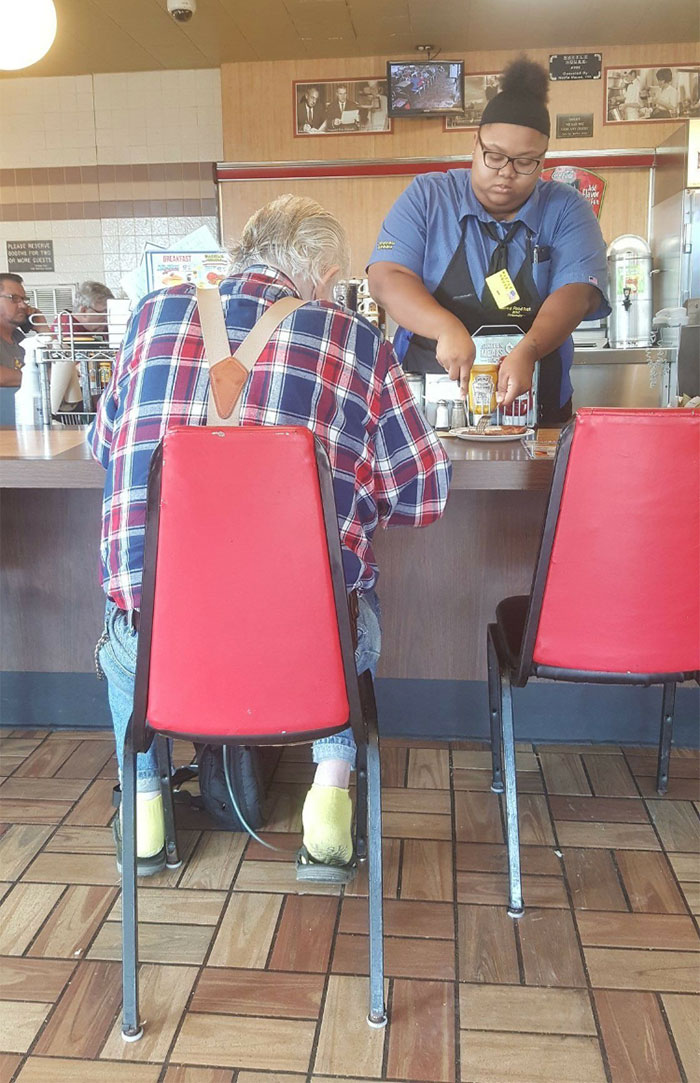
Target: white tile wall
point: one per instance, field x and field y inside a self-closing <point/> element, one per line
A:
<point x="158" y="116"/>
<point x="47" y="122"/>
<point x="135" y="117"/>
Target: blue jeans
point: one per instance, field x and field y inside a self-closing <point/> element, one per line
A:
<point x="116" y="655"/>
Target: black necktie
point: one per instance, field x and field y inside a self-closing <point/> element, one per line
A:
<point x="499" y="256"/>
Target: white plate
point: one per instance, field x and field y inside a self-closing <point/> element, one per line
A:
<point x="472" y="434"/>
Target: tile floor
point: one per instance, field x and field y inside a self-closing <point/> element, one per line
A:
<point x="244" y="980"/>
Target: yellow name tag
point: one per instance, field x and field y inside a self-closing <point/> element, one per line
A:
<point x="502" y="289"/>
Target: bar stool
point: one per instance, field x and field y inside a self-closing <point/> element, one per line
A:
<point x="615" y="596"/>
<point x="245" y="633"/>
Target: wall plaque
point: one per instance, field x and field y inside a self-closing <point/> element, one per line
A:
<point x="568" y="66"/>
<point x="29" y="256"/>
<point x="574" y="125"/>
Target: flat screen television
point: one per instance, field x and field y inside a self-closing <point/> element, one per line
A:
<point x="427" y="88"/>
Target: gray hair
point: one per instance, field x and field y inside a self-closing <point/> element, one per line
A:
<point x="88" y="294"/>
<point x="295" y="235"/>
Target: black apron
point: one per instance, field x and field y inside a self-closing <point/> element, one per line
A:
<point x="457" y="294"/>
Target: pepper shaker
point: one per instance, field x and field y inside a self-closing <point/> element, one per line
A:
<point x="459" y="414"/>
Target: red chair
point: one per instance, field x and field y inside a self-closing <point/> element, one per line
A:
<point x="615" y="597"/>
<point x="245" y="632"/>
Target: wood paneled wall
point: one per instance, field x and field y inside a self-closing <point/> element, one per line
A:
<point x="362" y="203"/>
<point x="258" y="124"/>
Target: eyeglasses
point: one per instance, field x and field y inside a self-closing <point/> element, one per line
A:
<point x="15" y="298"/>
<point x="493" y="159"/>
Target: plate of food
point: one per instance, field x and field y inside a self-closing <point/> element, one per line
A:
<point x="493" y="434"/>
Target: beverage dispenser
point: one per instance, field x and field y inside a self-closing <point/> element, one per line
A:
<point x="629" y="284"/>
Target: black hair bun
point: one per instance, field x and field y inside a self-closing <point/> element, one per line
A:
<point x="523" y="76"/>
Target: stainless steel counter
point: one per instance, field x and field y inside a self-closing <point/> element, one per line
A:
<point x="641" y="377"/>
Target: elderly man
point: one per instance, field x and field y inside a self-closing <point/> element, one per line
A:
<point x="326" y="368"/>
<point x="89" y="316"/>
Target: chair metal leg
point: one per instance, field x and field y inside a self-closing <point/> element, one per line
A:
<point x="377" y="1008"/>
<point x="668" y="705"/>
<point x="172" y="857"/>
<point x="496" y="720"/>
<point x="515" y="901"/>
<point x="361" y="803"/>
<point x="131" y="1026"/>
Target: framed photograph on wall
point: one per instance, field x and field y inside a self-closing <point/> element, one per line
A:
<point x="341" y="107"/>
<point x="478" y="90"/>
<point x="634" y="95"/>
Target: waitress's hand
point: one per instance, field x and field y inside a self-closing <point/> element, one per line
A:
<point x="515" y="374"/>
<point x="456" y="352"/>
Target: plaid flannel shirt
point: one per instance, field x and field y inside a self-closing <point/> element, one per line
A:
<point x="325" y="368"/>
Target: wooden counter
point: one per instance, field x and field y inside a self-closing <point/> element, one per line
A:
<point x="47" y="459"/>
<point x="438" y="588"/>
<point x="438" y="582"/>
<point x="60" y="459"/>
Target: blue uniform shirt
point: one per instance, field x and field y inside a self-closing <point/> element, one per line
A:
<point x="423" y="228"/>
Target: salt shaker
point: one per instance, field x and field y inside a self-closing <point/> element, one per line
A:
<point x="442" y="415"/>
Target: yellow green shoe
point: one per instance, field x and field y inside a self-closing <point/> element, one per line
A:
<point x="326" y="855"/>
<point x="150" y="832"/>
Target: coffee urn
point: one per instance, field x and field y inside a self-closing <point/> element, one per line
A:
<point x="629" y="285"/>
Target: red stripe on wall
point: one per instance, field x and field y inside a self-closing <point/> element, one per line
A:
<point x="410" y="167"/>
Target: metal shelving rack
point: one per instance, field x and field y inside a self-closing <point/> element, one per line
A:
<point x="94" y="365"/>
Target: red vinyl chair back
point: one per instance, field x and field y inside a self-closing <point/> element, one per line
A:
<point x="239" y="634"/>
<point x="622" y="590"/>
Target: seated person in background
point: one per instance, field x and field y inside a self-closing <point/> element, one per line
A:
<point x="325" y="368"/>
<point x="14" y="310"/>
<point x="17" y="319"/>
<point x="88" y="320"/>
<point x="86" y="327"/>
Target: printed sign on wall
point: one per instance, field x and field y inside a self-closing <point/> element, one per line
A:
<point x="574" y="125"/>
<point x="570" y="66"/>
<point x="29" y="256"/>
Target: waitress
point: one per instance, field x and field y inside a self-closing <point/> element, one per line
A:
<point x="455" y="246"/>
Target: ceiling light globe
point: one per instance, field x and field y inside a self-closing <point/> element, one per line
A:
<point x="27" y="31"/>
